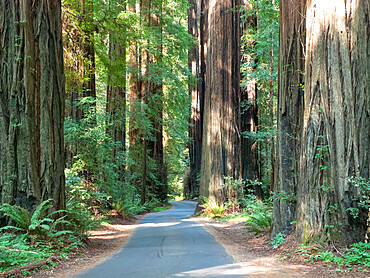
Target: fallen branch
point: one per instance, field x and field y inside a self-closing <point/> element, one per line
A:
<point x="17" y="271"/>
<point x="18" y="250"/>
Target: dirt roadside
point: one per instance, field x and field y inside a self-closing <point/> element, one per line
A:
<point x="257" y="258"/>
<point x="254" y="254"/>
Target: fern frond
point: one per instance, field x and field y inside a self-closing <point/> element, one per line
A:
<point x="40" y="209"/>
<point x="20" y="215"/>
<point x="11" y="227"/>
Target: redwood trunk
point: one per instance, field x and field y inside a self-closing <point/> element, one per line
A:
<point x="31" y="103"/>
<point x="195" y="128"/>
<point x="221" y="130"/>
<point x="89" y="50"/>
<point x="249" y="117"/>
<point x="289" y="113"/>
<point x="336" y="120"/>
<point x="116" y="89"/>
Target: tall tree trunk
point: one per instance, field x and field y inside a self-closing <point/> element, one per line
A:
<point x="144" y="132"/>
<point x="249" y="115"/>
<point x="155" y="91"/>
<point x="195" y="128"/>
<point x="134" y="95"/>
<point x="89" y="50"/>
<point x="221" y="130"/>
<point x="73" y="66"/>
<point x="116" y="89"/>
<point x="290" y="112"/>
<point x="335" y="140"/>
<point x="31" y="103"/>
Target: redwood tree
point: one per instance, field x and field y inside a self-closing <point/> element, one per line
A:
<point x="290" y="112"/>
<point x="31" y="103"/>
<point x="249" y="108"/>
<point x="336" y="122"/>
<point x="221" y="128"/>
<point x="195" y="128"/>
<point x="116" y="89"/>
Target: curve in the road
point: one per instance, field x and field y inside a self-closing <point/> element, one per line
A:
<point x="168" y="244"/>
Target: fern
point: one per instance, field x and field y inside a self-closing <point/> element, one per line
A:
<point x="40" y="211"/>
<point x="260" y="218"/>
<point x="20" y="215"/>
<point x="211" y="207"/>
<point x="36" y="223"/>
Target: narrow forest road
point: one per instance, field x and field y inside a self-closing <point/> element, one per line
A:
<point x="168" y="244"/>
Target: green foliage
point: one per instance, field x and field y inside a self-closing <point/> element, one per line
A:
<point x="158" y="209"/>
<point x="283" y="195"/>
<point x="260" y="217"/>
<point x="260" y="49"/>
<point x="363" y="199"/>
<point x="18" y="251"/>
<point x="357" y="255"/>
<point x="278" y="240"/>
<point x="38" y="223"/>
<point x="93" y="161"/>
<point x="79" y="205"/>
<point x="130" y="208"/>
<point x="38" y="236"/>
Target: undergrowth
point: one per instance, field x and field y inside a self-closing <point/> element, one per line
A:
<point x="212" y="209"/>
<point x="243" y="207"/>
<point x="356" y="255"/>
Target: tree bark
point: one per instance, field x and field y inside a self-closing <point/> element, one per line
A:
<point x="335" y="136"/>
<point x="88" y="87"/>
<point x="116" y="89"/>
<point x="195" y="128"/>
<point x="31" y="103"/>
<point x="73" y="67"/>
<point x="155" y="91"/>
<point x="249" y="116"/>
<point x="221" y="130"/>
<point x="290" y="112"/>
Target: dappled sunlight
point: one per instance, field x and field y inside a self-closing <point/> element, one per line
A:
<point x="228" y="270"/>
<point x="268" y="267"/>
<point x="265" y="267"/>
<point x="112" y="232"/>
<point x="156" y="225"/>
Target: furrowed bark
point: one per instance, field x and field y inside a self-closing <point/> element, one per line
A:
<point x="335" y="140"/>
<point x="31" y="103"/>
<point x="290" y="112"/>
<point x="221" y="130"/>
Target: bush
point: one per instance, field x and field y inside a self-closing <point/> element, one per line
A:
<point x="80" y="203"/>
<point x="130" y="207"/>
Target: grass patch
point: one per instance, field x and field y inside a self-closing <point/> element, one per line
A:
<point x="158" y="209"/>
<point x="236" y="218"/>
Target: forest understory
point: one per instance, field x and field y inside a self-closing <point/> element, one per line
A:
<point x="254" y="254"/>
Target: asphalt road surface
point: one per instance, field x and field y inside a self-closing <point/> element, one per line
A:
<point x="168" y="244"/>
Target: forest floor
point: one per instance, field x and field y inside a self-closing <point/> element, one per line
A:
<point x="257" y="258"/>
<point x="254" y="254"/>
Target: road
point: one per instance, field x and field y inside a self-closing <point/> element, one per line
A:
<point x="168" y="244"/>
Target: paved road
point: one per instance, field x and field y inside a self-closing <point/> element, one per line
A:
<point x="168" y="244"/>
